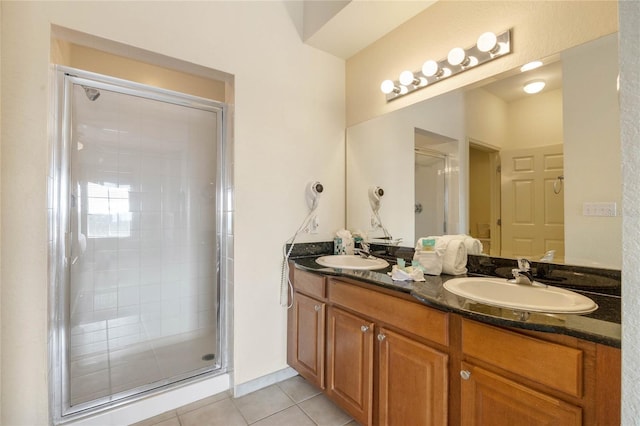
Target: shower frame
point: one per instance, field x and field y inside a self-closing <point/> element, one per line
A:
<point x="62" y="80"/>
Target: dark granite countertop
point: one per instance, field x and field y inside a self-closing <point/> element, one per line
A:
<point x="601" y="326"/>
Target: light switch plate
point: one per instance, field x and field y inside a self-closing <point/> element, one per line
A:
<point x="599" y="209"/>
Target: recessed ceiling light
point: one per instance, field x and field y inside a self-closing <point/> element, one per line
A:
<point x="534" y="86"/>
<point x="530" y="66"/>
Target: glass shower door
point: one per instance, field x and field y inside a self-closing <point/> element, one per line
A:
<point x="430" y="194"/>
<point x="142" y="242"/>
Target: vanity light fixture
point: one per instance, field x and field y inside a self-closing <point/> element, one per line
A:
<point x="534" y="86"/>
<point x="458" y="56"/>
<point x="432" y="69"/>
<point x="389" y="87"/>
<point x="407" y="78"/>
<point x="489" y="46"/>
<point x="488" y="43"/>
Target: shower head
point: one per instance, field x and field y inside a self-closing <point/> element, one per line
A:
<point x="91" y="92"/>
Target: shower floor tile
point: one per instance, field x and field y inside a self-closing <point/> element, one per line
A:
<point x="103" y="372"/>
<point x="293" y="402"/>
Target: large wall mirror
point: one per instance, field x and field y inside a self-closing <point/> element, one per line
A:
<point x="524" y="173"/>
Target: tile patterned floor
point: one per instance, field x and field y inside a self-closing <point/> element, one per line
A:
<point x="113" y="369"/>
<point x="293" y="402"/>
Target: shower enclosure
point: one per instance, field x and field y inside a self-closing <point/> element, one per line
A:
<point x="431" y="192"/>
<point x="136" y="229"/>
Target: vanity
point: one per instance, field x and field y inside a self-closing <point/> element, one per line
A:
<point x="411" y="353"/>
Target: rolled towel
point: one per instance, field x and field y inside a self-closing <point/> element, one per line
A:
<point x="473" y="245"/>
<point x="454" y="261"/>
<point x="431" y="261"/>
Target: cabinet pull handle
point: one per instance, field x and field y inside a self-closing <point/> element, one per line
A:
<point x="364" y="328"/>
<point x="381" y="337"/>
<point x="465" y="374"/>
<point x="317" y="307"/>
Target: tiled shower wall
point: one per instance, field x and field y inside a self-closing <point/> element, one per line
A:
<point x="143" y="294"/>
<point x="157" y="262"/>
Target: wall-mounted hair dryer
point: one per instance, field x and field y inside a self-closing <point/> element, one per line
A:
<point x="309" y="224"/>
<point x="375" y="192"/>
<point x="314" y="189"/>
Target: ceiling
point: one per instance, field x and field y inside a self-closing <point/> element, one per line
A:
<point x="509" y="88"/>
<point x="345" y="28"/>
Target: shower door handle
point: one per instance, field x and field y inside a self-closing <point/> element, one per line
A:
<point x="68" y="242"/>
<point x="68" y="237"/>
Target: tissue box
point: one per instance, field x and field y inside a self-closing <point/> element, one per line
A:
<point x="343" y="245"/>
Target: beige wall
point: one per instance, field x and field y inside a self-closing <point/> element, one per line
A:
<point x="540" y="29"/>
<point x="276" y="117"/>
<point x="592" y="167"/>
<point x="486" y="118"/>
<point x="535" y="121"/>
<point x="94" y="60"/>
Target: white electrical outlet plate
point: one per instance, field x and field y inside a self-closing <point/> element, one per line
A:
<point x="314" y="224"/>
<point x="599" y="209"/>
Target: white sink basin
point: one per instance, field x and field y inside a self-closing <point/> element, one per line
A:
<point x="347" y="261"/>
<point x="521" y="297"/>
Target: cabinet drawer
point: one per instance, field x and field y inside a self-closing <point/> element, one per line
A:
<point x="405" y="315"/>
<point x="556" y="366"/>
<point x="308" y="283"/>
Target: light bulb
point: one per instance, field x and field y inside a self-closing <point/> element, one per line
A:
<point x="430" y="68"/>
<point x="534" y="86"/>
<point x="530" y="66"/>
<point x="457" y="56"/>
<point x="387" y="87"/>
<point x="488" y="42"/>
<point x="406" y="78"/>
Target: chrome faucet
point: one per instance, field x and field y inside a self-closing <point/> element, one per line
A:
<point x="363" y="251"/>
<point x="522" y="274"/>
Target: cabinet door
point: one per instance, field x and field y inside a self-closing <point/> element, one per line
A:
<point x="490" y="399"/>
<point x="307" y="338"/>
<point x="413" y="382"/>
<point x="350" y="363"/>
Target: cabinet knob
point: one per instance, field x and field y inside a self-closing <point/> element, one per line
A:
<point x="364" y="328"/>
<point x="381" y="337"/>
<point x="465" y="374"/>
<point x="317" y="307"/>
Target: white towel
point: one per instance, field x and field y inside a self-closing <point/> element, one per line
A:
<point x="454" y="261"/>
<point x="473" y="245"/>
<point x="431" y="261"/>
<point x="453" y="253"/>
<point x="406" y="274"/>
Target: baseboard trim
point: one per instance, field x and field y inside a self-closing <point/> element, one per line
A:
<point x="264" y="381"/>
<point x="157" y="404"/>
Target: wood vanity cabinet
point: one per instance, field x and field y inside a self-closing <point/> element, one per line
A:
<point x="389" y="360"/>
<point x="307" y="330"/>
<point x="530" y="378"/>
<point x="412" y="382"/>
<point x="350" y="363"/>
<point x="386" y="356"/>
<point x="491" y="399"/>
